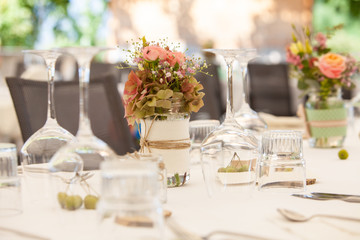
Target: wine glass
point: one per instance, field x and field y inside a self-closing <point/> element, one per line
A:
<point x="91" y="149"/>
<point x="228" y="153"/>
<point x="45" y="142"/>
<point x="245" y="116"/>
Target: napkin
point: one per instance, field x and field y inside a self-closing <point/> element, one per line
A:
<point x="283" y="122"/>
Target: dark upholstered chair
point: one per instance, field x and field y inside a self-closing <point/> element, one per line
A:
<point x="269" y="88"/>
<point x="213" y="107"/>
<point x="106" y="111"/>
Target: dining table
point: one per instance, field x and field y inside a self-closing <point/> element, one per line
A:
<point x="253" y="214"/>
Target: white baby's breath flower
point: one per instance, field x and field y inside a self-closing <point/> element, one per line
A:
<point x="168" y="74"/>
<point x="161" y="80"/>
<point x="141" y="67"/>
<point x="153" y="72"/>
<point x="183" y="66"/>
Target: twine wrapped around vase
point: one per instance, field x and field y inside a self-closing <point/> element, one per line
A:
<point x="161" y="144"/>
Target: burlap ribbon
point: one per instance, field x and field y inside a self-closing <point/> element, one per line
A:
<point x="161" y="144"/>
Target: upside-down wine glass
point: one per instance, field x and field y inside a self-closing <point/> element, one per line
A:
<point x="228" y="153"/>
<point x="88" y="147"/>
<point x="245" y="116"/>
<point x="43" y="144"/>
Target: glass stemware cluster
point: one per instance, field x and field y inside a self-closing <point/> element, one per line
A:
<point x="228" y="153"/>
<point x="52" y="148"/>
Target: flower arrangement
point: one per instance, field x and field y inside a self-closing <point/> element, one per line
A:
<point x="316" y="66"/>
<point x="162" y="76"/>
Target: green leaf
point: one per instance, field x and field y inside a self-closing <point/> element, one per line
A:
<point x="178" y="95"/>
<point x="164" y="94"/>
<point x="163" y="103"/>
<point x="151" y="102"/>
<point x="176" y="66"/>
<point x="302" y="85"/>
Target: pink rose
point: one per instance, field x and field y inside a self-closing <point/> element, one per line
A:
<point x="154" y="52"/>
<point x="321" y="39"/>
<point x="332" y="65"/>
<point x="176" y="57"/>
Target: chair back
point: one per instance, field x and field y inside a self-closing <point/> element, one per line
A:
<point x="213" y="105"/>
<point x="106" y="110"/>
<point x="270" y="89"/>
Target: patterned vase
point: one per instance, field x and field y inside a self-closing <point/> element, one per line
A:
<point x="326" y="120"/>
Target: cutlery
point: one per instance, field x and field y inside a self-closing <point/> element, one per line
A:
<point x="334" y="195"/>
<point x="353" y="199"/>
<point x="298" y="217"/>
<point x="186" y="235"/>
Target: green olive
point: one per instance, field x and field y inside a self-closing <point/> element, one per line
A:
<point x="73" y="202"/>
<point x="61" y="198"/>
<point x="343" y="154"/>
<point x="90" y="201"/>
<point x="243" y="169"/>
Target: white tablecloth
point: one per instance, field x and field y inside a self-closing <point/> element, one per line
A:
<point x="194" y="210"/>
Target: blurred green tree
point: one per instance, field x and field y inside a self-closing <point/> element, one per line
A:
<point x="21" y="22"/>
<point x="328" y="13"/>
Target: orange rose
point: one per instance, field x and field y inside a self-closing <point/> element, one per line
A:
<point x="332" y="65"/>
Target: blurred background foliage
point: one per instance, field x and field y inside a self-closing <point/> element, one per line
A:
<point x="67" y="22"/>
<point x="328" y="13"/>
<point x="50" y="23"/>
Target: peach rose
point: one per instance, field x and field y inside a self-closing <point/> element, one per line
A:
<point x="176" y="57"/>
<point x="154" y="52"/>
<point x="332" y="65"/>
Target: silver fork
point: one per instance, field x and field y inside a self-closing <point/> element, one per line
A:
<point x="184" y="234"/>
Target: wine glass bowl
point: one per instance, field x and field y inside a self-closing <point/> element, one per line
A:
<point x="245" y="116"/>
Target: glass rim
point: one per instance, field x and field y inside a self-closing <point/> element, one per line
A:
<point x="204" y="122"/>
<point x="283" y="131"/>
<point x="7" y="147"/>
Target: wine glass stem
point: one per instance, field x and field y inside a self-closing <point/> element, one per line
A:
<point x="84" y="121"/>
<point x="244" y="75"/>
<point x="51" y="104"/>
<point x="230" y="98"/>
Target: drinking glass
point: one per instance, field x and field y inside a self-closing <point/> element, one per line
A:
<point x="281" y="164"/>
<point x="91" y="149"/>
<point x="10" y="189"/>
<point x="245" y="116"/>
<point x="156" y="158"/>
<point x="45" y="142"/>
<point x="129" y="207"/>
<point x="228" y="153"/>
<point x="199" y="129"/>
